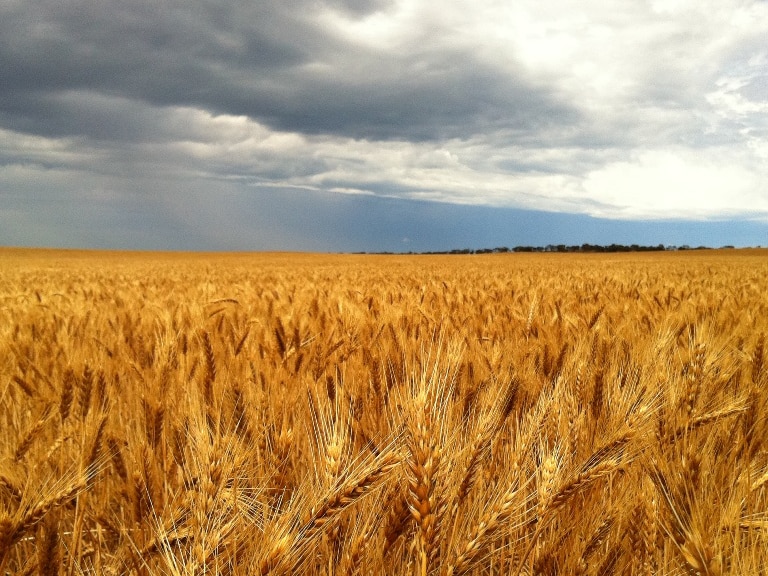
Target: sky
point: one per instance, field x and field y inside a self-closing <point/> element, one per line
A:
<point x="378" y="125"/>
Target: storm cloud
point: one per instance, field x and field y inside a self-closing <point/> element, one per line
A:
<point x="141" y="113"/>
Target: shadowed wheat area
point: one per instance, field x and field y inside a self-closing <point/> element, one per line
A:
<point x="400" y="415"/>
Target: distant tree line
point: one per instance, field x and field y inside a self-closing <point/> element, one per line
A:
<point x="583" y="248"/>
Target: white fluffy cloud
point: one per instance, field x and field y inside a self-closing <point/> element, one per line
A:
<point x="671" y="183"/>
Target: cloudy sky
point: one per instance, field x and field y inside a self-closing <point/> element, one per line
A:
<point x="347" y="125"/>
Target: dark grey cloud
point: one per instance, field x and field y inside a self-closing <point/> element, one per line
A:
<point x="268" y="60"/>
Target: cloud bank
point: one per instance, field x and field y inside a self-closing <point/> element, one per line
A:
<point x="141" y="113"/>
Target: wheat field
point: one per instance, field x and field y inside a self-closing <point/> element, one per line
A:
<point x="399" y="415"/>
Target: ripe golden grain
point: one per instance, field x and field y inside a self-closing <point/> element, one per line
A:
<point x="410" y="416"/>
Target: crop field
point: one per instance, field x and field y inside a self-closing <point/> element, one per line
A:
<point x="388" y="415"/>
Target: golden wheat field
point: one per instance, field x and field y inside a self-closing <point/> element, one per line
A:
<point x="400" y="415"/>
